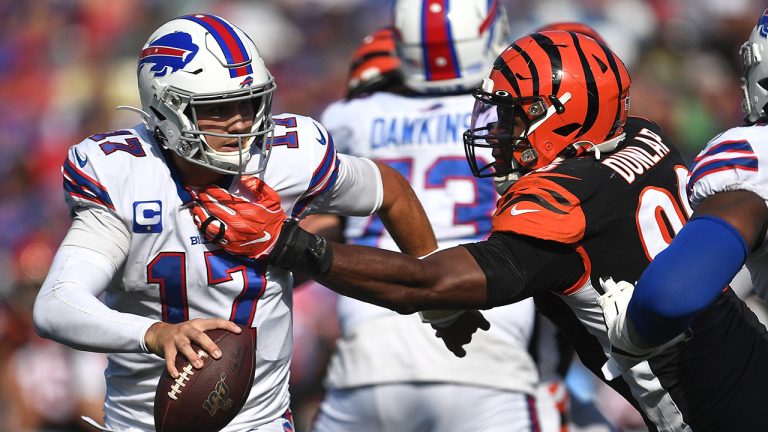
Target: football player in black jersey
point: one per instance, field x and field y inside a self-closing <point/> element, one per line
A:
<point x="587" y="193"/>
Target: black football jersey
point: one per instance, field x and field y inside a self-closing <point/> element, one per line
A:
<point x="617" y="211"/>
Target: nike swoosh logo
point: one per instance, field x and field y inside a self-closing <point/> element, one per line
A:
<point x="80" y="161"/>
<point x="265" y="238"/>
<point x="321" y="140"/>
<point x="515" y="212"/>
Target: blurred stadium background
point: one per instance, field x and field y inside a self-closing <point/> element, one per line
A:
<point x="65" y="65"/>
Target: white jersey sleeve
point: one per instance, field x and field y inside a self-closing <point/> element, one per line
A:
<point x="170" y="273"/>
<point x="737" y="159"/>
<point x="68" y="310"/>
<point x="311" y="177"/>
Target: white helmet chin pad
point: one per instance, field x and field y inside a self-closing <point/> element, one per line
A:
<point x="755" y="71"/>
<point x="198" y="60"/>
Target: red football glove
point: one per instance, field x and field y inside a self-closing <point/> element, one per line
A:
<point x="240" y="226"/>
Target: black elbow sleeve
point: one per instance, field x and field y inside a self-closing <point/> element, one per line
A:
<point x="517" y="267"/>
<point x="504" y="277"/>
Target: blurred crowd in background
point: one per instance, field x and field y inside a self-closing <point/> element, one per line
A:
<point x="66" y="64"/>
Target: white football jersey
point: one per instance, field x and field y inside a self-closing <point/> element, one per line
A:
<point x="737" y="159"/>
<point x="421" y="137"/>
<point x="172" y="274"/>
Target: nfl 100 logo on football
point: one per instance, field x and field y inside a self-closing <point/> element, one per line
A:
<point x="147" y="217"/>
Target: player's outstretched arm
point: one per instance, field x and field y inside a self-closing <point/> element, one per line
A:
<point x="449" y="278"/>
<point x="403" y="216"/>
<point x="715" y="242"/>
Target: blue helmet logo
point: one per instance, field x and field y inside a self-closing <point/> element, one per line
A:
<point x="762" y="24"/>
<point x="168" y="53"/>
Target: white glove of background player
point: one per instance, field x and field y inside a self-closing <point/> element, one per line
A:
<point x="625" y="352"/>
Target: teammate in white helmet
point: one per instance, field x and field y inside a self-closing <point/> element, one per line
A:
<point x="206" y="107"/>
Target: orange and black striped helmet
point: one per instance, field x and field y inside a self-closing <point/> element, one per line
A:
<point x="574" y="26"/>
<point x="375" y="65"/>
<point x="550" y="94"/>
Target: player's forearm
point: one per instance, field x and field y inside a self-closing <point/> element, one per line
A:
<point x="67" y="310"/>
<point x="447" y="279"/>
<point x="381" y="277"/>
<point x="403" y="216"/>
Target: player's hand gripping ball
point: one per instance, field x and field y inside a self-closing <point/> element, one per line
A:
<point x="246" y="227"/>
<point x="207" y="399"/>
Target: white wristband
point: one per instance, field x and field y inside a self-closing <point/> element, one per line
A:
<point x="440" y="317"/>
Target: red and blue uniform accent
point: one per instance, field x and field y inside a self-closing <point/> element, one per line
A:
<point x="168" y="53"/>
<point x="762" y="24"/>
<point x="238" y="59"/>
<point x="323" y="178"/>
<point x="79" y="185"/>
<point x="437" y="40"/>
<point x="727" y="155"/>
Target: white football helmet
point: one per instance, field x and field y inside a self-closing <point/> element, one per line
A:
<point x="203" y="59"/>
<point x="448" y="46"/>
<point x="754" y="79"/>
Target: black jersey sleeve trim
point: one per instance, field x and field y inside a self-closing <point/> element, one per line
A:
<point x="517" y="267"/>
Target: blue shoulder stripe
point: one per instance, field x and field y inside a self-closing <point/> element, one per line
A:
<point x="745" y="163"/>
<point x="80" y="185"/>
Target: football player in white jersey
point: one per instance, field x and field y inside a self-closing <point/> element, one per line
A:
<point x="389" y="372"/>
<point x="728" y="187"/>
<point x="601" y="193"/>
<point x="206" y="104"/>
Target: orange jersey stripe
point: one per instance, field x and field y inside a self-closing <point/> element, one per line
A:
<point x="538" y="207"/>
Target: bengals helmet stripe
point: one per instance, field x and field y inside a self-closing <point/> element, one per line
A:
<point x="531" y="67"/>
<point x="503" y="67"/>
<point x="554" y="58"/>
<point x="617" y="122"/>
<point x="440" y="60"/>
<point x="593" y="100"/>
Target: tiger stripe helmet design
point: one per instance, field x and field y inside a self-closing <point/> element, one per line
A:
<point x="550" y="94"/>
<point x="574" y="26"/>
<point x="375" y="65"/>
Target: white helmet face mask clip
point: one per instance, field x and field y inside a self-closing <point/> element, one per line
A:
<point x="198" y="60"/>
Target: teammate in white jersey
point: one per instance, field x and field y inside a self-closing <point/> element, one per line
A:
<point x="389" y="371"/>
<point x="728" y="187"/>
<point x="206" y="105"/>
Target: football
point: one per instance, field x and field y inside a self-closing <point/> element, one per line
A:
<point x="207" y="399"/>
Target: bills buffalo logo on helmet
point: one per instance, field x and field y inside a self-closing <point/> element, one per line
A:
<point x="168" y="53"/>
<point x="763" y="24"/>
<point x="248" y="81"/>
